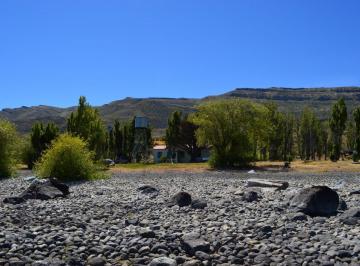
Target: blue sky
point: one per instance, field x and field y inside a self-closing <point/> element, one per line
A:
<point x="51" y="52"/>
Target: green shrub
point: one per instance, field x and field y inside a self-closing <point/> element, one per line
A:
<point x="27" y="155"/>
<point x="67" y="159"/>
<point x="8" y="148"/>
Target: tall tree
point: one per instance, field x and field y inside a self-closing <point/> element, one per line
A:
<point x="129" y="138"/>
<point x="86" y="123"/>
<point x="173" y="132"/>
<point x="181" y="134"/>
<point x="288" y="137"/>
<point x="118" y="139"/>
<point x="41" y="137"/>
<point x="276" y="121"/>
<point x="231" y="127"/>
<point x="356" y="115"/>
<point x="309" y="134"/>
<point x="337" y="124"/>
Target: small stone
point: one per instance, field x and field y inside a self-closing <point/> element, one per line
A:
<point x="163" y="261"/>
<point x="96" y="261"/>
<point x="147" y="233"/>
<point x="192" y="245"/>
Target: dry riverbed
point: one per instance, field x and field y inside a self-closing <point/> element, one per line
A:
<point x="113" y="220"/>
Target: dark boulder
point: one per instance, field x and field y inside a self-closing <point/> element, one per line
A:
<point x="251" y="195"/>
<point x="43" y="190"/>
<point x="181" y="199"/>
<point x="316" y="201"/>
<point x="192" y="245"/>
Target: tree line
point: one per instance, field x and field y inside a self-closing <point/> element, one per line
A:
<point x="236" y="132"/>
<point x="241" y="131"/>
<point x="115" y="142"/>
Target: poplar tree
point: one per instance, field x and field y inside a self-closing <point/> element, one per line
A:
<point x="337" y="124"/>
<point x="86" y="123"/>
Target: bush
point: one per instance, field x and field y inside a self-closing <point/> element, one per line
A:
<point x="8" y="148"/>
<point x="67" y="159"/>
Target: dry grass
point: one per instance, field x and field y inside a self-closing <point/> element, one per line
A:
<point x="297" y="166"/>
<point x="314" y="166"/>
<point x="161" y="167"/>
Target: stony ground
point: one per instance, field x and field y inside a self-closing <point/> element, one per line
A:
<point x="111" y="219"/>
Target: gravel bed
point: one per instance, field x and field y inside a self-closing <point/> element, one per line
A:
<point x="111" y="222"/>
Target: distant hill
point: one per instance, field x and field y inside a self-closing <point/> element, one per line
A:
<point x="159" y="109"/>
<point x="295" y="99"/>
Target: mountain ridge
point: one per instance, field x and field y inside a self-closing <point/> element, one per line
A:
<point x="157" y="109"/>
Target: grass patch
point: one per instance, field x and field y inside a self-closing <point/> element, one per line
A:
<point x="194" y="167"/>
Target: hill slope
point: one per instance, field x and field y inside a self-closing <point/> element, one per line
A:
<point x="158" y="109"/>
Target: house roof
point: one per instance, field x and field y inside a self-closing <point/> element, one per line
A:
<point x="159" y="147"/>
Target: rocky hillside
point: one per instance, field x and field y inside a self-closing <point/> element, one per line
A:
<point x="158" y="109"/>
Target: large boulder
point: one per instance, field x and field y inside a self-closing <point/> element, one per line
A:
<point x="181" y="199"/>
<point x="50" y="188"/>
<point x="316" y="201"/>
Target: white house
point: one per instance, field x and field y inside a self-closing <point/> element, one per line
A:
<point x="161" y="152"/>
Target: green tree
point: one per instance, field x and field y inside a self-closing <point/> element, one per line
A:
<point x="40" y="138"/>
<point x="129" y="138"/>
<point x="337" y="124"/>
<point x="86" y="123"/>
<point x="288" y="137"/>
<point x="309" y="134"/>
<point x="8" y="148"/>
<point x="323" y="140"/>
<point x="356" y="115"/>
<point x="181" y="134"/>
<point x="172" y="135"/>
<point x="231" y="128"/>
<point x="350" y="134"/>
<point x="276" y="138"/>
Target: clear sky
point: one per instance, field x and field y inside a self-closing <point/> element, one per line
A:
<point x="51" y="52"/>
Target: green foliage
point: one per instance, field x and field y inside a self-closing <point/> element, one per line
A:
<point x="337" y="124"/>
<point x="280" y="133"/>
<point x="129" y="138"/>
<point x="180" y="133"/>
<point x="350" y="134"/>
<point x="8" y="148"/>
<point x="356" y="115"/>
<point x="232" y="128"/>
<point x="309" y="134"/>
<point x="40" y="139"/>
<point x="67" y="159"/>
<point x="86" y="123"/>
